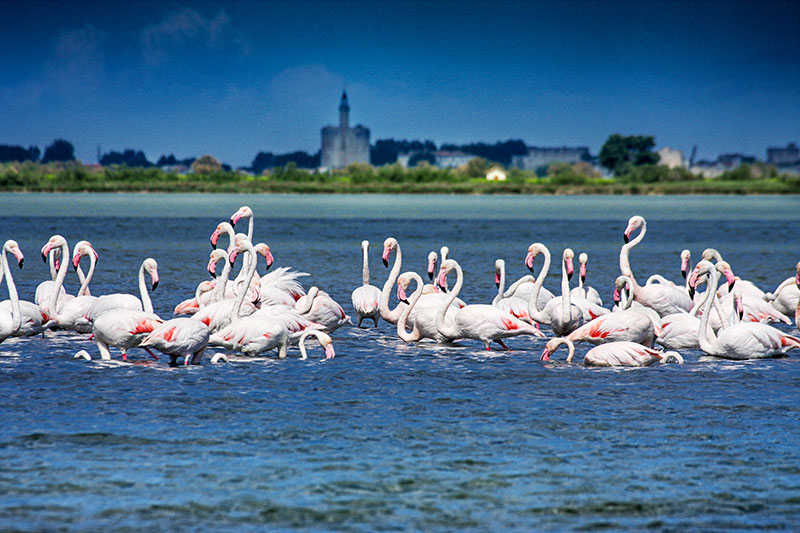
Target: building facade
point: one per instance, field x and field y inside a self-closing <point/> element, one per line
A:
<point x="784" y="156"/>
<point x="539" y="156"/>
<point x="671" y="158"/>
<point x="343" y="145"/>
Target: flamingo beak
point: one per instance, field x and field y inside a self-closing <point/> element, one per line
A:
<point x="431" y="269"/>
<point x="570" y="269"/>
<point x="401" y="294"/>
<point x="233" y="222"/>
<point x="691" y="291"/>
<point x="330" y="353"/>
<point x="441" y="280"/>
<point x="731" y="279"/>
<point x="626" y="238"/>
<point x="545" y="355"/>
<point x="214" y="238"/>
<point x="46" y="250"/>
<point x="529" y="262"/>
<point x="270" y="259"/>
<point x="21" y="262"/>
<point x="497" y="279"/>
<point x="155" y="283"/>
<point x="617" y="297"/>
<point x="385" y="257"/>
<point x="583" y="273"/>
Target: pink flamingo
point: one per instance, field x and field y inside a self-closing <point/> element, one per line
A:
<point x="620" y="353"/>
<point x="581" y="291"/>
<point x="559" y="313"/>
<point x="747" y="340"/>
<point x="32" y="320"/>
<point x="477" y="321"/>
<point x="179" y="337"/>
<point x="73" y="313"/>
<point x="424" y="326"/>
<point x="319" y="307"/>
<point x="515" y="305"/>
<point x="786" y="295"/>
<point x="663" y="298"/>
<point x="366" y="298"/>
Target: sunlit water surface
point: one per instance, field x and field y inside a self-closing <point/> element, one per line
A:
<point x="388" y="435"/>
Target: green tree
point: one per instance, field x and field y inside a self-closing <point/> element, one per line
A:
<point x="60" y="150"/>
<point x="620" y="152"/>
<point x="477" y="167"/>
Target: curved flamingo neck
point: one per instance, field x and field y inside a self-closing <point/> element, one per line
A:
<point x="16" y="317"/>
<point x="401" y="323"/>
<point x="85" y="280"/>
<point x="391" y="315"/>
<point x="453" y="331"/>
<point x="533" y="300"/>
<point x="222" y="281"/>
<point x="703" y="333"/>
<point x="307" y="301"/>
<point x="52" y="309"/>
<point x="624" y="253"/>
<point x="501" y="288"/>
<point x="251" y="268"/>
<point x="302" y="341"/>
<point x="147" y="305"/>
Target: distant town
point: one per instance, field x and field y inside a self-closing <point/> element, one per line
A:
<point x="343" y="145"/>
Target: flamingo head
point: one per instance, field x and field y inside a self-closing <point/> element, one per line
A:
<point x="725" y="269"/>
<point x="702" y="268"/>
<point x="686" y="256"/>
<point x="432" y="259"/>
<point x="532" y="253"/>
<point x="402" y="284"/>
<point x="213" y="259"/>
<point x="583" y="259"/>
<point x="568" y="256"/>
<point x="499" y="266"/>
<point x="239" y="245"/>
<point x="243" y="212"/>
<point x="56" y="241"/>
<point x="634" y="222"/>
<point x="388" y="245"/>
<point x="549" y="348"/>
<point x="82" y="248"/>
<point x="12" y="247"/>
<point x="264" y="250"/>
<point x="151" y="267"/>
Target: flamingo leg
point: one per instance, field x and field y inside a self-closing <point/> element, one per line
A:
<point x="151" y="353"/>
<point x="501" y="343"/>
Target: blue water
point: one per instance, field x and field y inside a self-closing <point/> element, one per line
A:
<point x="389" y="436"/>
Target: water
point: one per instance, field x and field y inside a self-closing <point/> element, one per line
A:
<point x="389" y="436"/>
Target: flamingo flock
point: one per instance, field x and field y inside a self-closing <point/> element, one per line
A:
<point x="249" y="314"/>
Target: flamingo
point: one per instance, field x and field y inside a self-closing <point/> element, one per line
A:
<point x="633" y="324"/>
<point x="477" y="321"/>
<point x="663" y="298"/>
<point x="559" y="313"/>
<point x="295" y="323"/>
<point x="219" y="314"/>
<point x="73" y="313"/>
<point x="747" y="287"/>
<point x="44" y="288"/>
<point x="121" y="300"/>
<point x="679" y="330"/>
<point x="319" y="307"/>
<point x="366" y="298"/>
<point x="179" y="337"/>
<point x="202" y="296"/>
<point x="28" y="318"/>
<point x="746" y="340"/>
<point x="253" y="335"/>
<point x="324" y="340"/>
<point x="127" y="328"/>
<point x="585" y="292"/>
<point x="786" y="295"/>
<point x="513" y="304"/>
<point x="620" y="353"/>
<point x="10" y="319"/>
<point x="424" y="326"/>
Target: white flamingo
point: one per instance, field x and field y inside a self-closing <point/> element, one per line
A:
<point x="621" y="353"/>
<point x="787" y="295"/>
<point x="73" y="313"/>
<point x="513" y="304"/>
<point x="324" y="340"/>
<point x="366" y="298"/>
<point x="121" y="300"/>
<point x="746" y="340"/>
<point x="661" y="297"/>
<point x="10" y="318"/>
<point x="319" y="307"/>
<point x="633" y="324"/>
<point x="424" y="326"/>
<point x="581" y="291"/>
<point x="31" y="319"/>
<point x="202" y="297"/>
<point x="179" y="337"/>
<point x="559" y="313"/>
<point x="253" y="335"/>
<point x="127" y="328"/>
<point x="477" y="321"/>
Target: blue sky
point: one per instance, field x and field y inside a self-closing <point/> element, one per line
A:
<point x="232" y="79"/>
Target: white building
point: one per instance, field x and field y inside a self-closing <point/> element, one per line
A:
<point x="671" y="158"/>
<point x="496" y="174"/>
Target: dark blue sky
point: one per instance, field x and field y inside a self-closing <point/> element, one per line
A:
<point x="232" y="79"/>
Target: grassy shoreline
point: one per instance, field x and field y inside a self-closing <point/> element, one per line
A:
<point x="74" y="177"/>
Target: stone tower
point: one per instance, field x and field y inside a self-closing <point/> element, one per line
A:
<point x="343" y="145"/>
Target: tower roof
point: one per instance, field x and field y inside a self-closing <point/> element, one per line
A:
<point x="344" y="106"/>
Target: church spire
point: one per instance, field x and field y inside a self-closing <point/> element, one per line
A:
<point x="344" y="112"/>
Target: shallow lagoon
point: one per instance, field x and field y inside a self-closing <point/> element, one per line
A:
<point x="388" y="435"/>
